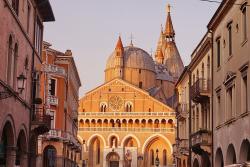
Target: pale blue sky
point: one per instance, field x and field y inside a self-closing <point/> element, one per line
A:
<point x="90" y="28"/>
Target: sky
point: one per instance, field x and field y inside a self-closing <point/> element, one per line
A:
<point x="90" y="28"/>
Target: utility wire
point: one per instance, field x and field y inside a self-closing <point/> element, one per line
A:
<point x="219" y="2"/>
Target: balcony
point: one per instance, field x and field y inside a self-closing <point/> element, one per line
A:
<point x="201" y="141"/>
<point x="200" y="90"/>
<point x="126" y="114"/>
<point x="66" y="137"/>
<point x="52" y="100"/>
<point x="40" y="122"/>
<point x="54" y="69"/>
<point x="182" y="111"/>
<point x="184" y="146"/>
<point x="127" y="129"/>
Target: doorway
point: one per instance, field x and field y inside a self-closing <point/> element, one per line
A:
<point x="113" y="159"/>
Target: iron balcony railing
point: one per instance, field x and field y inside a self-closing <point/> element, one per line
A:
<point x="182" y="110"/>
<point x="126" y="129"/>
<point x="201" y="87"/>
<point x="41" y="121"/>
<point x="184" y="146"/>
<point x="63" y="136"/>
<point x="160" y="114"/>
<point x="201" y="137"/>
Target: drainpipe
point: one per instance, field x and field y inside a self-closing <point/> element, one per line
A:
<point x="32" y="92"/>
<point x="189" y="119"/>
<point x="212" y="97"/>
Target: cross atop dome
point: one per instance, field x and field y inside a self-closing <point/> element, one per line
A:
<point x="168" y="8"/>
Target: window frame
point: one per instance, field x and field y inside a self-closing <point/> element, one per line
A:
<point x="218" y="52"/>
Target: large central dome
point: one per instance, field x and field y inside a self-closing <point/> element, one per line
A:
<point x="133" y="57"/>
<point x="131" y="64"/>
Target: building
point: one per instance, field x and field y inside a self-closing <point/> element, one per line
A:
<point x="21" y="35"/>
<point x="200" y="104"/>
<point x="59" y="90"/>
<point x="193" y="111"/>
<point x="127" y="120"/>
<point x="231" y="102"/>
<point x="181" y="147"/>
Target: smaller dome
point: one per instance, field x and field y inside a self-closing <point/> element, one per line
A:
<point x="133" y="58"/>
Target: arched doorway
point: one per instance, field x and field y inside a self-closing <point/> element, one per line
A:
<point x="21" y="150"/>
<point x="7" y="141"/>
<point x="113" y="159"/>
<point x="245" y="151"/>
<point x="196" y="163"/>
<point x="49" y="156"/>
<point x="96" y="147"/>
<point x="231" y="156"/>
<point x="205" y="162"/>
<point x="157" y="146"/>
<point x="219" y="162"/>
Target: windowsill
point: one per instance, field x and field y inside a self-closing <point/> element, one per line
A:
<point x="244" y="114"/>
<point x="231" y="120"/>
<point x="218" y="68"/>
<point x="219" y="126"/>
<point x="244" y="42"/>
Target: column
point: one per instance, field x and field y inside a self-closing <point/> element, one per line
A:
<point x="11" y="156"/>
<point x="199" y="117"/>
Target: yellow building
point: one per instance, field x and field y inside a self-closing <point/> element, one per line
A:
<point x="127" y="120"/>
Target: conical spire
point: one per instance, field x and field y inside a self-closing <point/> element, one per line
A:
<point x="159" y="55"/>
<point x="119" y="45"/>
<point x="169" y="29"/>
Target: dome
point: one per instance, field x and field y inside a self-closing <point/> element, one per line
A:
<point x="133" y="57"/>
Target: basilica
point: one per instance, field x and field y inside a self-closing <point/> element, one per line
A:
<point x="128" y="121"/>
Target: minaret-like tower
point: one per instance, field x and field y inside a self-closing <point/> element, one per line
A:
<point x="119" y="50"/>
<point x="159" y="57"/>
<point x="172" y="58"/>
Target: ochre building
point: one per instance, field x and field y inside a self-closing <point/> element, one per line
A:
<point x="128" y="121"/>
<point x="59" y="91"/>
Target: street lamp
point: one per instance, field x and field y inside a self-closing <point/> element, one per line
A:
<point x="6" y="92"/>
<point x="157" y="160"/>
<point x="21" y="82"/>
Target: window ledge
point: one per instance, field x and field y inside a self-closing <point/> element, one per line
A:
<point x="230" y="121"/>
<point x="218" y="68"/>
<point x="244" y="42"/>
<point x="244" y="114"/>
<point x="218" y="127"/>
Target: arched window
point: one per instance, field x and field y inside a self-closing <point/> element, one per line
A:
<point x="202" y="71"/>
<point x="244" y="21"/>
<point x="152" y="157"/>
<point x="10" y="59"/>
<point x="15" y="66"/>
<point x="208" y="67"/>
<point x="98" y="153"/>
<point x="15" y="6"/>
<point x="103" y="107"/>
<point x="164" y="157"/>
<point x="140" y="84"/>
<point x="193" y="78"/>
<point x="197" y="75"/>
<point x="50" y="156"/>
<point x="128" y="107"/>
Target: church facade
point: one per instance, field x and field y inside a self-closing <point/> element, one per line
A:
<point x="128" y="120"/>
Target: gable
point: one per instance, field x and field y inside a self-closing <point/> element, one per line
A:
<point x="123" y="92"/>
